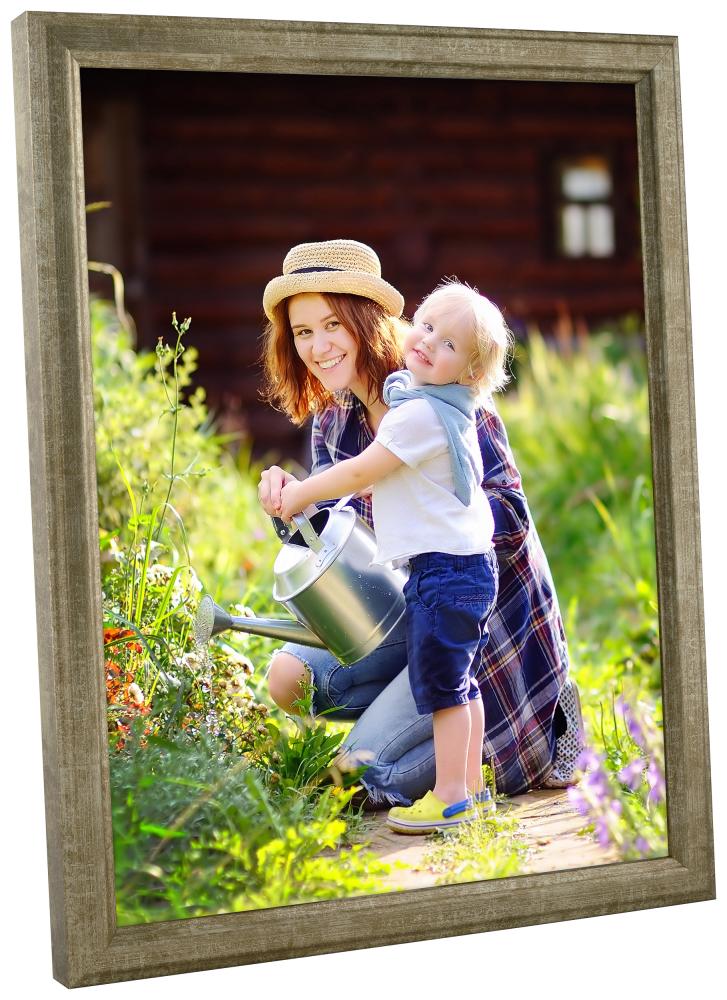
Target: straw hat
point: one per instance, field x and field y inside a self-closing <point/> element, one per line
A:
<point x="333" y="266"/>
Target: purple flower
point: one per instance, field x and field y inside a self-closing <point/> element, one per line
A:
<point x="577" y="799"/>
<point x="632" y="774"/>
<point x="596" y="782"/>
<point x="589" y="760"/>
<point x="642" y="846"/>
<point x="601" y="827"/>
<point x="657" y="785"/>
<point x="632" y="723"/>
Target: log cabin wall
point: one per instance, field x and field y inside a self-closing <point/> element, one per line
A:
<point x="212" y="177"/>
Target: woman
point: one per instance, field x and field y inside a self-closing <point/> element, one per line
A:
<point x="333" y="337"/>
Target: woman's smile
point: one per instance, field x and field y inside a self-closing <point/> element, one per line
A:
<point x="324" y="345"/>
<point x="331" y="362"/>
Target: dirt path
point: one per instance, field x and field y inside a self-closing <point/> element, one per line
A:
<point x="548" y="825"/>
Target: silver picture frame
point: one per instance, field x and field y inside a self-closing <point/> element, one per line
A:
<point x="49" y="50"/>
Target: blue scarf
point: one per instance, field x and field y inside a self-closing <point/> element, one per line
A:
<point x="455" y="407"/>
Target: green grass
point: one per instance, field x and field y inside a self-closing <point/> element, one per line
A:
<point x="488" y="847"/>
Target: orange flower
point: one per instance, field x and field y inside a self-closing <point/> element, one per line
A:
<point x="113" y="635"/>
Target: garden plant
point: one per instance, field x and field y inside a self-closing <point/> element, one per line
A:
<point x="220" y="801"/>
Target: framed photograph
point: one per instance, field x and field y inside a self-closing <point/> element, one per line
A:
<point x="166" y="167"/>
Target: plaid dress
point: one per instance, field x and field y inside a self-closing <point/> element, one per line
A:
<point x="524" y="663"/>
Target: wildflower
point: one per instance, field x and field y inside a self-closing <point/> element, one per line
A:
<point x="236" y="661"/>
<point x="632" y="774"/>
<point x="642" y="846"/>
<point x="185" y="586"/>
<point x="633" y="724"/>
<point x="136" y="694"/>
<point x="657" y="785"/>
<point x="596" y="784"/>
<point x="577" y="799"/>
<point x="194" y="661"/>
<point x="243" y="611"/>
<point x="115" y="637"/>
<point x="159" y="574"/>
<point x="617" y="817"/>
<point x="602" y="831"/>
<point x="589" y="760"/>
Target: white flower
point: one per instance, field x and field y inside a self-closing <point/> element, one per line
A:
<point x="158" y="575"/>
<point x="136" y="693"/>
<point x="195" y="661"/>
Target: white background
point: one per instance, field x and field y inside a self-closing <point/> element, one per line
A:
<point x="663" y="952"/>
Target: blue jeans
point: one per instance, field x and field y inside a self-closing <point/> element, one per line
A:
<point x="389" y="735"/>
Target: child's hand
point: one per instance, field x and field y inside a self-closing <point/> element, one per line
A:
<point x="290" y="502"/>
<point x="271" y="483"/>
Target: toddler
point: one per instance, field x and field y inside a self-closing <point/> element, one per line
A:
<point x="430" y="512"/>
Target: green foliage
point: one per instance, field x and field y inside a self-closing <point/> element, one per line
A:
<point x="587" y="474"/>
<point x="578" y="423"/>
<point x="622" y="791"/>
<point x="579" y="427"/>
<point x="132" y="408"/>
<point x="153" y="668"/>
<point x="199" y="832"/>
<point x="489" y="847"/>
<point x="216" y="806"/>
<point x="155" y="438"/>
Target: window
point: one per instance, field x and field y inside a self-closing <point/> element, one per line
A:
<point x="585" y="211"/>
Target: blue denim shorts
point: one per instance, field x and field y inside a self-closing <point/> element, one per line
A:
<point x="448" y="602"/>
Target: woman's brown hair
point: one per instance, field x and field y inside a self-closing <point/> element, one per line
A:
<point x="290" y="387"/>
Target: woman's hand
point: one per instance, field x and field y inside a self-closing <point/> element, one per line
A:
<point x="292" y="500"/>
<point x="271" y="483"/>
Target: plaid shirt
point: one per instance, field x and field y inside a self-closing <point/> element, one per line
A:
<point x="525" y="660"/>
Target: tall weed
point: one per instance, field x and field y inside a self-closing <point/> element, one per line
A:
<point x="155" y="436"/>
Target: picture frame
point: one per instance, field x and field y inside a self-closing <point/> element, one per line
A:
<point x="49" y="50"/>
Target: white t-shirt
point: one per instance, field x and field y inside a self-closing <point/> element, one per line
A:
<point x="414" y="507"/>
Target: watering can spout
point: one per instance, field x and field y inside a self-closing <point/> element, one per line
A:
<point x="212" y="619"/>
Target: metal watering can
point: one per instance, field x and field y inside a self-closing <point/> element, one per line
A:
<point x="324" y="576"/>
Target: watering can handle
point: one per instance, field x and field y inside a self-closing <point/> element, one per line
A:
<point x="309" y="533"/>
<point x="301" y="522"/>
<point x="312" y="539"/>
<point x="281" y="529"/>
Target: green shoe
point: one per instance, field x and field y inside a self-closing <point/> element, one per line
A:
<point x="430" y="814"/>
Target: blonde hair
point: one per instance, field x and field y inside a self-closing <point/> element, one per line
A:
<point x="454" y="300"/>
